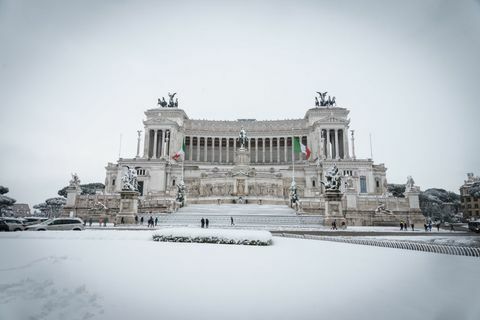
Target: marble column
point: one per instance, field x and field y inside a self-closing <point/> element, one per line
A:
<point x="278" y="149"/>
<point x="228" y="150"/>
<point x="346" y="154"/>
<point x="337" y="153"/>
<point x="220" y="149"/>
<point x="285" y="149"/>
<point x="155" y="137"/>
<point x="263" y="150"/>
<point x="205" y="150"/>
<point x="146" y="142"/>
<point x="256" y="150"/>
<point x="353" y="144"/>
<point x="329" y="149"/>
<point x="198" y="148"/>
<point x="190" y="147"/>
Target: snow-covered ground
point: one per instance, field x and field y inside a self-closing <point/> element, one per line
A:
<point x="467" y="241"/>
<point x="113" y="274"/>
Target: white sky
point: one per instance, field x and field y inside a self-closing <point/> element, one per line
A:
<point x="76" y="75"/>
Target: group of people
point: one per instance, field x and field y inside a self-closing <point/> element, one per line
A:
<point x="404" y="226"/>
<point x="151" y="222"/>
<point x="101" y="222"/>
<point x="334" y="225"/>
<point x="204" y="223"/>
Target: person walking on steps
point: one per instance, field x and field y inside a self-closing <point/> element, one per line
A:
<point x="202" y="222"/>
<point x="206" y="223"/>
<point x="231" y="221"/>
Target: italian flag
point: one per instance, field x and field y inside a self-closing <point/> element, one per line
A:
<point x="180" y="153"/>
<point x="299" y="147"/>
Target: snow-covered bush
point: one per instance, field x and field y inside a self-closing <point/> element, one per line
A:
<point x="219" y="236"/>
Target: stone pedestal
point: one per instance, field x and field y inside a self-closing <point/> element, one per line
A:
<point x="128" y="207"/>
<point x="242" y="157"/>
<point x="333" y="207"/>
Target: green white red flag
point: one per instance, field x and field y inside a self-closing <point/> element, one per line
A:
<point x="180" y="153"/>
<point x="298" y="147"/>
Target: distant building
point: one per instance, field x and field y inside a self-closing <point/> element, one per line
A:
<point x="21" y="209"/>
<point x="470" y="205"/>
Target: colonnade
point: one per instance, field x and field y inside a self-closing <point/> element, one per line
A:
<point x="334" y="144"/>
<point x="157" y="143"/>
<point x="222" y="149"/>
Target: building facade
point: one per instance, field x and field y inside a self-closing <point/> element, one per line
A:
<point x="215" y="170"/>
<point x="470" y="204"/>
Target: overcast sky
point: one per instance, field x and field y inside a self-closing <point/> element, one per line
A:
<point x="74" y="75"/>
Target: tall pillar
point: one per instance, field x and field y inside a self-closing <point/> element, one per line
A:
<point x="198" y="148"/>
<point x="278" y="149"/>
<point x="220" y="140"/>
<point x="213" y="149"/>
<point x="205" y="149"/>
<point x="146" y="142"/>
<point x="263" y="150"/>
<point x="139" y="132"/>
<point x="346" y="154"/>
<point x="353" y="144"/>
<point x="271" y="149"/>
<point x="256" y="150"/>
<point x="161" y="144"/>
<point x="155" y="138"/>
<point x="329" y="149"/>
<point x="285" y="148"/>
<point x="228" y="150"/>
<point x="337" y="153"/>
<point x="190" y="147"/>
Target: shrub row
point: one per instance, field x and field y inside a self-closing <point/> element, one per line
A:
<point x="170" y="238"/>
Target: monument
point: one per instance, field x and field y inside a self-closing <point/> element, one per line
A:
<point x="256" y="160"/>
<point x="128" y="197"/>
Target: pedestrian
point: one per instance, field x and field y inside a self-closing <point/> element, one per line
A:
<point x="451" y="227"/>
<point x="202" y="222"/>
<point x="438" y="227"/>
<point x="122" y="221"/>
<point x="430" y="226"/>
<point x="100" y="222"/>
<point x="426" y="227"/>
<point x="231" y="221"/>
<point x="206" y="223"/>
<point x="413" y="226"/>
<point x="136" y="219"/>
<point x="105" y="222"/>
<point x="156" y="221"/>
<point x="335" y="224"/>
<point x="90" y="221"/>
<point x="344" y="226"/>
<point x="141" y="220"/>
<point x="401" y="225"/>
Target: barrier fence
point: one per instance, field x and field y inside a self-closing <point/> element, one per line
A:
<point x="397" y="244"/>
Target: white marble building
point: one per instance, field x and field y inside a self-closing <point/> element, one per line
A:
<point x="216" y="170"/>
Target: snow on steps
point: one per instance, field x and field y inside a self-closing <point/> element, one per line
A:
<point x="219" y="236"/>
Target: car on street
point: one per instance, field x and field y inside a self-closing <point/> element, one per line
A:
<point x="474" y="226"/>
<point x="3" y="226"/>
<point x="14" y="224"/>
<point x="33" y="220"/>
<point x="75" y="224"/>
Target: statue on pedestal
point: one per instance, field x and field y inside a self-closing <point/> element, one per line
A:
<point x="75" y="182"/>
<point x="129" y="180"/>
<point x="180" y="193"/>
<point x="242" y="138"/>
<point x="333" y="179"/>
<point x="293" y="194"/>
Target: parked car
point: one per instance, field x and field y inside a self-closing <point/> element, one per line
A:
<point x="14" y="224"/>
<point x="474" y="226"/>
<point x="58" y="224"/>
<point x="33" y="220"/>
<point x="3" y="226"/>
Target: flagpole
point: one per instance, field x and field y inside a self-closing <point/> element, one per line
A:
<point x="293" y="157"/>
